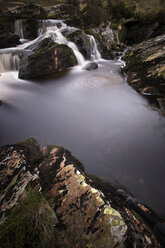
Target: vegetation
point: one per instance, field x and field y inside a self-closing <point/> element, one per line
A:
<point x="29" y="224"/>
<point x="138" y="8"/>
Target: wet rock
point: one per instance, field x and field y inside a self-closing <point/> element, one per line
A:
<point x="82" y="40"/>
<point x="90" y="66"/>
<point x="1" y="102"/>
<point x="145" y="66"/>
<point x="45" y="57"/>
<point x="86" y="219"/>
<point x="28" y="11"/>
<point x="150" y="91"/>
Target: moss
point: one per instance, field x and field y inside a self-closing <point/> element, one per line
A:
<point x="131" y="53"/>
<point x="29" y="224"/>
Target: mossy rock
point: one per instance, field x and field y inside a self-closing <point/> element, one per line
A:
<point x="46" y="57"/>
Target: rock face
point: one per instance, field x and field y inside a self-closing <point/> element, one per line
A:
<point x="105" y="35"/>
<point x="72" y="209"/>
<point x="87" y="220"/>
<point x="140" y="30"/>
<point x="146" y="67"/>
<point x="44" y="58"/>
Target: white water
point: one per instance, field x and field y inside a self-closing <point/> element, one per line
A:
<point x="54" y="29"/>
<point x="9" y="62"/>
<point x="19" y="28"/>
<point x="95" y="54"/>
<point x="9" y="59"/>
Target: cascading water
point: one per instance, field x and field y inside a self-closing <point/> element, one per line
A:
<point x="54" y="29"/>
<point x="19" y="28"/>
<point x="9" y="62"/>
<point x="95" y="54"/>
<point x="9" y="59"/>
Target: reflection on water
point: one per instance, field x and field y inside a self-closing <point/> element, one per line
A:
<point x="98" y="117"/>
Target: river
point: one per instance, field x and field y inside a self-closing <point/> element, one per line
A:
<point x="96" y="115"/>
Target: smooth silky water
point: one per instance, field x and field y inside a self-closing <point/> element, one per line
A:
<point x="108" y="126"/>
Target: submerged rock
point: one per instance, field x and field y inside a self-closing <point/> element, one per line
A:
<point x="44" y="58"/>
<point x="90" y="66"/>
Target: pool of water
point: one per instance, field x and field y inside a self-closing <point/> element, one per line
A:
<point x="108" y="126"/>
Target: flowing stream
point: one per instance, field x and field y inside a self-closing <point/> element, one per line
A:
<point x="108" y="126"/>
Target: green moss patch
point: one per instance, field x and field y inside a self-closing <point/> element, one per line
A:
<point x="29" y="224"/>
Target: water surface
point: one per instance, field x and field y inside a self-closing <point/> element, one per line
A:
<point x="108" y="126"/>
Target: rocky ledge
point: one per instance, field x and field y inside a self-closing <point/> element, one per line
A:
<point x="47" y="200"/>
<point x="146" y="68"/>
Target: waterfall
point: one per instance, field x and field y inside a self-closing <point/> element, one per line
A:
<point x="19" y="28"/>
<point x="94" y="50"/>
<point x="9" y="62"/>
<point x="54" y="28"/>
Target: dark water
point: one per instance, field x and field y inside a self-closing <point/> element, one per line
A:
<point x="99" y="118"/>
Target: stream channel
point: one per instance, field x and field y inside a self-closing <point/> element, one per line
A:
<point x="95" y="114"/>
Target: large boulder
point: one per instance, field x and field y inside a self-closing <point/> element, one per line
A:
<point x="45" y="57"/>
<point x="146" y="66"/>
